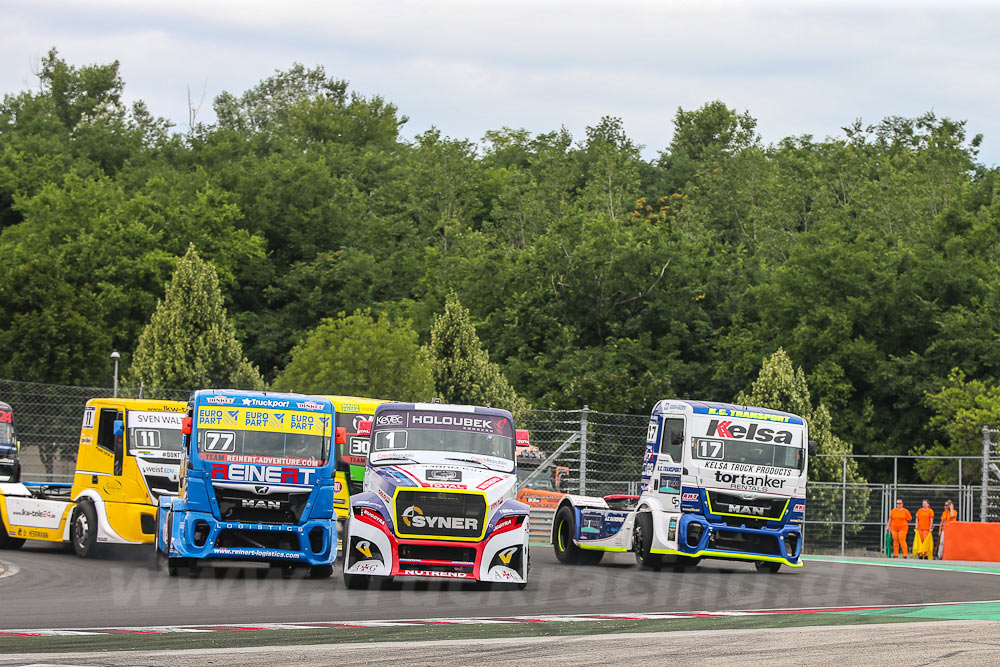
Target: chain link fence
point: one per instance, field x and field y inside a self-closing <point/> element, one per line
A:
<point x="603" y="453"/>
<point x="47" y="420"/>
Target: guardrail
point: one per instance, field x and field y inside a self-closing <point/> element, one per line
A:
<point x="541" y="525"/>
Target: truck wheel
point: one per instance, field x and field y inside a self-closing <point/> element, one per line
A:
<point x="83" y="529"/>
<point x="767" y="566"/>
<point x="682" y="563"/>
<point x="8" y="542"/>
<point x="642" y="542"/>
<point x="565" y="523"/>
<point x="320" y="571"/>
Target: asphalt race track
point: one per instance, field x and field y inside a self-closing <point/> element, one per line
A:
<point x="53" y="589"/>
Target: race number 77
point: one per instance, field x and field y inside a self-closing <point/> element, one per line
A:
<point x="219" y="441"/>
<point x="710" y="449"/>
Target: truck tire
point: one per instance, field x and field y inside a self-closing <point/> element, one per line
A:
<point x="565" y="529"/>
<point x="83" y="529"/>
<point x="682" y="563"/>
<point x="642" y="542"/>
<point x="767" y="566"/>
<point x="8" y="542"/>
<point x="320" y="571"/>
<point x="357" y="582"/>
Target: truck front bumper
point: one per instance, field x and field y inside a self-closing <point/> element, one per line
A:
<point x="201" y="536"/>
<point x="699" y="538"/>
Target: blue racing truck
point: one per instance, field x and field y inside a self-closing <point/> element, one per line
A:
<point x="718" y="481"/>
<point x="256" y="485"/>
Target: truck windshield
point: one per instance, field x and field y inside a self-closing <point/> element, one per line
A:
<point x="751" y="453"/>
<point x="154" y="434"/>
<point x="6" y="433"/>
<point x="450" y="441"/>
<point x="247" y="446"/>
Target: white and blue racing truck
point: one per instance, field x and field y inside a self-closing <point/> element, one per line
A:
<point x="718" y="481"/>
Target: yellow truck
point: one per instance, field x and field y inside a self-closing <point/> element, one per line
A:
<point x="354" y="414"/>
<point x="128" y="456"/>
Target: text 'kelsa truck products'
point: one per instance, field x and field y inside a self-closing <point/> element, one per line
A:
<point x="438" y="498"/>
<point x="126" y="461"/>
<point x="718" y="481"/>
<point x="256" y="484"/>
<point x="10" y="447"/>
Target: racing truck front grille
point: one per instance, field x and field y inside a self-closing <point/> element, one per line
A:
<point x="761" y="509"/>
<point x="750" y="542"/>
<point x="239" y="505"/>
<point x="437" y="514"/>
<point x="423" y="552"/>
<point x="257" y="539"/>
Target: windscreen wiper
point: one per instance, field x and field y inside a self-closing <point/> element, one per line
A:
<point x="469" y="460"/>
<point x="395" y="458"/>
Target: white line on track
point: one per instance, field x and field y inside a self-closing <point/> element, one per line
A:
<point x="218" y="627"/>
<point x="912" y="566"/>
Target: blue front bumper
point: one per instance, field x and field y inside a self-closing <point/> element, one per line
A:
<point x="197" y="535"/>
<point x="697" y="536"/>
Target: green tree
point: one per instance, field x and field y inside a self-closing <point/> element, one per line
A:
<point x="961" y="408"/>
<point x="189" y="342"/>
<point x="49" y="331"/>
<point x="357" y="355"/>
<point x="462" y="370"/>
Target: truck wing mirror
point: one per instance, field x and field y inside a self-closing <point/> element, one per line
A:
<point x="521" y="437"/>
<point x="186" y="426"/>
<point x="813" y="447"/>
<point x="341" y="437"/>
<point x="119" y="427"/>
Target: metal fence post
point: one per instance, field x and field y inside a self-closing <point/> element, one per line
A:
<point x="895" y="481"/>
<point x="583" y="449"/>
<point x="983" y="508"/>
<point x="843" y="508"/>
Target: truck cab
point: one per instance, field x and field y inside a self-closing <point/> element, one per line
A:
<point x="438" y="498"/>
<point x="127" y="459"/>
<point x="10" y="447"/>
<point x="256" y="484"/>
<point x="717" y="481"/>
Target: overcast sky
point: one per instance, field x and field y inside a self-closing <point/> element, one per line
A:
<point x="471" y="66"/>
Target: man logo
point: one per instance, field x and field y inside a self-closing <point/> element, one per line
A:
<point x="365" y="547"/>
<point x="250" y="503"/>
<point x="746" y="509"/>
<point x="409" y="512"/>
<point x="262" y="490"/>
<point x="507" y="554"/>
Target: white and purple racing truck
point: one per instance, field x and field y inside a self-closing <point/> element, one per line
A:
<point x="438" y="498"/>
<point x="718" y="481"/>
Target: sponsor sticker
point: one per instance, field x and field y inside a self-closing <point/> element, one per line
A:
<point x="219" y="400"/>
<point x="488" y="482"/>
